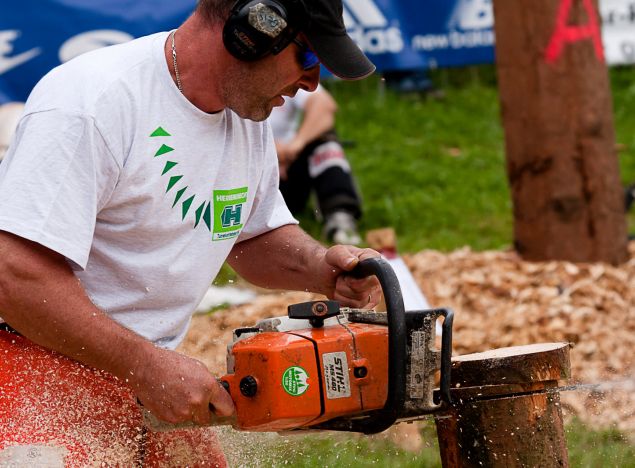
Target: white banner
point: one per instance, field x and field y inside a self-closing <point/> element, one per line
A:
<point x="618" y="31"/>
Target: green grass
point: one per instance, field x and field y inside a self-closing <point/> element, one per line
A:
<point x="623" y="89"/>
<point x="434" y="169"/>
<point x="430" y="169"/>
<point x="586" y="449"/>
<point x="591" y="449"/>
<point x="341" y="450"/>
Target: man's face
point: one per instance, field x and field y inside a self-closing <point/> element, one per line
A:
<point x="254" y="88"/>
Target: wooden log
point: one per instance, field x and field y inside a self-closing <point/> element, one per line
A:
<point x="518" y="364"/>
<point x="517" y="431"/>
<point x="506" y="409"/>
<point x="383" y="239"/>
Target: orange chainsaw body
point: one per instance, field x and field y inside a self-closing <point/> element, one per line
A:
<point x="323" y="367"/>
<point x="295" y="379"/>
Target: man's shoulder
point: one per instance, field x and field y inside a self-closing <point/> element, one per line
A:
<point x="83" y="80"/>
<point x="122" y="53"/>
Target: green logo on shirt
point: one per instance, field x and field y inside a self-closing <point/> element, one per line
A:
<point x="227" y="204"/>
<point x="228" y="207"/>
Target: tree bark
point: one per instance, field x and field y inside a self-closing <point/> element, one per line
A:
<point x="557" y="112"/>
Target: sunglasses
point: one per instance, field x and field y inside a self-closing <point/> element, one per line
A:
<point x="306" y="56"/>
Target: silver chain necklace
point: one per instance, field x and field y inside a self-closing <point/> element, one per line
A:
<point x="176" y="68"/>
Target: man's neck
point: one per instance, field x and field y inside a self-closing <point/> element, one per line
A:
<point x="200" y="57"/>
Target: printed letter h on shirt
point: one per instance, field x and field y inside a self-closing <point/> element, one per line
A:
<point x="231" y="215"/>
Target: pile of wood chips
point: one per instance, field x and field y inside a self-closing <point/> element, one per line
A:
<point x="500" y="300"/>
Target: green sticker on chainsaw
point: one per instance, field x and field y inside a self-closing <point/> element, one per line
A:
<point x="294" y="381"/>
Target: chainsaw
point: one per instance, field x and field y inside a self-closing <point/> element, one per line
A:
<point x="326" y="367"/>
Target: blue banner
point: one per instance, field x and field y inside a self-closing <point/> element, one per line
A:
<point x="37" y="35"/>
<point x="415" y="34"/>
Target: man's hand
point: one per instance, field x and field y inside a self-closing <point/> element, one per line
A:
<point x="287" y="153"/>
<point x="177" y="389"/>
<point x="318" y="118"/>
<point x="349" y="291"/>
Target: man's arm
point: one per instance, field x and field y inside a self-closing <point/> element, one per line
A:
<point x="43" y="300"/>
<point x="288" y="258"/>
<point x="318" y="117"/>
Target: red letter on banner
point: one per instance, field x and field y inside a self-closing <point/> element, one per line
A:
<point x="565" y="33"/>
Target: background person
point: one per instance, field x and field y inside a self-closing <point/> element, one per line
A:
<point x="311" y="159"/>
<point x="135" y="172"/>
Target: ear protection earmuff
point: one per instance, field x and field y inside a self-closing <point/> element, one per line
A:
<point x="256" y="28"/>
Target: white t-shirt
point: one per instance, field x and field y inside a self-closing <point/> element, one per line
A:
<point x="141" y="191"/>
<point x="285" y="119"/>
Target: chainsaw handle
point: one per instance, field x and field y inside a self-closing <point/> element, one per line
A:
<point x="397" y="342"/>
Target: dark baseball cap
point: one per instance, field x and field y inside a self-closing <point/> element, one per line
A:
<point x="328" y="38"/>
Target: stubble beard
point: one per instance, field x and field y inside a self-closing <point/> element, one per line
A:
<point x="241" y="92"/>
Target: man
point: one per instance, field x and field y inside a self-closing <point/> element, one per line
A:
<point x="136" y="171"/>
<point x="311" y="158"/>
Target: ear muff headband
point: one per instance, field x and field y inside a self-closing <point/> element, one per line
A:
<point x="256" y="28"/>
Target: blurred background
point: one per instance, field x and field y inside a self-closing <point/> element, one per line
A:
<point x="437" y="176"/>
